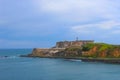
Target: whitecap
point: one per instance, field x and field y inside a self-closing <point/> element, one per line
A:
<point x="75" y="60"/>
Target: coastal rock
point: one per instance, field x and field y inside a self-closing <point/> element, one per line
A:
<point x="39" y="52"/>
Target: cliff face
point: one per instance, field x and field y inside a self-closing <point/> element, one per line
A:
<point x="101" y="50"/>
<point x="45" y="52"/>
<point x="57" y="52"/>
<point x="92" y="50"/>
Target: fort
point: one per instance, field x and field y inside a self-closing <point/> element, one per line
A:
<point x="66" y="44"/>
<point x="59" y="47"/>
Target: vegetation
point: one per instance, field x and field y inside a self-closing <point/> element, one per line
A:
<point x="73" y="48"/>
<point x="94" y="50"/>
<point x="87" y="47"/>
<point x="100" y="46"/>
<point x="101" y="50"/>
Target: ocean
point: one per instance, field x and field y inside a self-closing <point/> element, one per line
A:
<point x="14" y="67"/>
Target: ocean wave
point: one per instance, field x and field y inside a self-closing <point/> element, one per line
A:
<point x="75" y="60"/>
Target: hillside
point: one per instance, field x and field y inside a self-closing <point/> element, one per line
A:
<point x="101" y="50"/>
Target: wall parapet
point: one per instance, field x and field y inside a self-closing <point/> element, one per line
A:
<point x="65" y="44"/>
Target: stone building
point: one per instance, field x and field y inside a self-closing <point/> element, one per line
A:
<point x="65" y="44"/>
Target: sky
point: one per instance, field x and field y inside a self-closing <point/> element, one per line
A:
<point x="41" y="23"/>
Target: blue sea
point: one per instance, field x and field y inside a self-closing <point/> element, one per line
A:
<point x="14" y="67"/>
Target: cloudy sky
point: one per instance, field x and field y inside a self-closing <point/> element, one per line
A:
<point x="40" y="23"/>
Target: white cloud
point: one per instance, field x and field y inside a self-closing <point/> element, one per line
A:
<point x="69" y="5"/>
<point x="84" y="29"/>
<point x="80" y="10"/>
<point x="108" y="24"/>
<point x="116" y="32"/>
<point x="89" y="17"/>
<point x="97" y="27"/>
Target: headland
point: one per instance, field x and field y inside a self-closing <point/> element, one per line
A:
<point x="85" y="50"/>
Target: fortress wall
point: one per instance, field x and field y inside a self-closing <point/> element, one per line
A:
<point x="65" y="44"/>
<point x="60" y="46"/>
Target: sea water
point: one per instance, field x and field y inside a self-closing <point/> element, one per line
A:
<point x="14" y="67"/>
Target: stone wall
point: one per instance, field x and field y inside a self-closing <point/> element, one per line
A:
<point x="65" y="44"/>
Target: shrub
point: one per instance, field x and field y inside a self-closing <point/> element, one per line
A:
<point x="75" y="48"/>
<point x="87" y="47"/>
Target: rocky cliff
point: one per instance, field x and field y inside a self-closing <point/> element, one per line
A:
<point x="50" y="52"/>
<point x="101" y="50"/>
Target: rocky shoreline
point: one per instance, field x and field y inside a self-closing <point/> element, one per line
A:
<point x="84" y="59"/>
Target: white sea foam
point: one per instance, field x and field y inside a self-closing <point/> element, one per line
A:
<point x="75" y="60"/>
